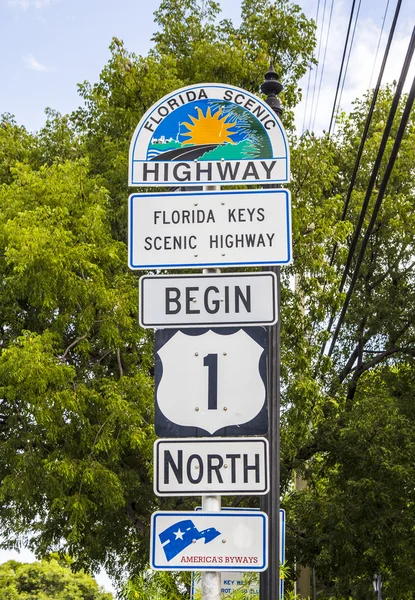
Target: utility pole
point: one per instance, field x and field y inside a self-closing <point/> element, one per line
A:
<point x="270" y="579"/>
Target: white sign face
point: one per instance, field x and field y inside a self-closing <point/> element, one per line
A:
<point x="209" y="229"/>
<point x="208" y="380"/>
<point x="209" y="133"/>
<point x="190" y="541"/>
<point x="204" y="300"/>
<point x="197" y="467"/>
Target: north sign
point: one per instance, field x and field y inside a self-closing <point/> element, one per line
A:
<point x="200" y="466"/>
<point x="209" y="229"/>
<point x="190" y="541"/>
<point x="208" y="300"/>
<point x="210" y="382"/>
<point x="209" y="134"/>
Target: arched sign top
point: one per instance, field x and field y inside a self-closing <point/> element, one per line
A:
<point x="209" y="134"/>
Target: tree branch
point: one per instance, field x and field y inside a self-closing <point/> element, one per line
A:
<point x="135" y="521"/>
<point x="348" y="366"/>
<point x="379" y="357"/>
<point x="119" y="362"/>
<point x="65" y="354"/>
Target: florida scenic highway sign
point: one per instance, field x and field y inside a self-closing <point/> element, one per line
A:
<point x="209" y="134"/>
<point x="210" y="382"/>
<point x="208" y="300"/>
<point x="200" y="466"/>
<point x="191" y="541"/>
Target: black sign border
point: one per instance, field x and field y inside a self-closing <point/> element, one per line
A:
<point x="165" y="428"/>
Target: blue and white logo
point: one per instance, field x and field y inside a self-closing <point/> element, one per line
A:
<point x="180" y="535"/>
<point x="208" y="541"/>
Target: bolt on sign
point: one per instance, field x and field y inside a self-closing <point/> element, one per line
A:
<point x="209" y="134"/>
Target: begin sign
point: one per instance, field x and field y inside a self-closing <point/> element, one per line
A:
<point x="203" y="300"/>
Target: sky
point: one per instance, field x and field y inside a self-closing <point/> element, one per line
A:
<point x="47" y="47"/>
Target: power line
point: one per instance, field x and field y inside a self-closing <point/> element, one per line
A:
<point x="381" y="194"/>
<point x="318" y="65"/>
<point x="309" y="77"/>
<point x="323" y="65"/>
<point x="378" y="46"/>
<point x="379" y="157"/>
<point x="342" y="65"/>
<point x="359" y="155"/>
<point x="368" y="119"/>
<point x="347" y="62"/>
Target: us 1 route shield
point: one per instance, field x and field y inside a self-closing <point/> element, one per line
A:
<point x="210" y="382"/>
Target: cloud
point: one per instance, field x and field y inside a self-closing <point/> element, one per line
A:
<point x="25" y="4"/>
<point x="42" y="3"/>
<point x="34" y="65"/>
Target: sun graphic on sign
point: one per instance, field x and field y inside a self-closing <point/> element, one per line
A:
<point x="208" y="129"/>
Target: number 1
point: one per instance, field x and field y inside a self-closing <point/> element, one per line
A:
<point x="211" y="362"/>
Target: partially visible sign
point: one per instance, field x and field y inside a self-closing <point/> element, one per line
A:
<point x="282" y="548"/>
<point x="231" y="582"/>
<point x="210" y="382"/>
<point x="200" y="466"/>
<point x="209" y="134"/>
<point x="190" y="541"/>
<point x="208" y="300"/>
<point x="209" y="229"/>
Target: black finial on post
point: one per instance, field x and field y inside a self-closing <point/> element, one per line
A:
<point x="271" y="88"/>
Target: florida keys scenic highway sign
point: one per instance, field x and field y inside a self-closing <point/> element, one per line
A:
<point x="209" y="134"/>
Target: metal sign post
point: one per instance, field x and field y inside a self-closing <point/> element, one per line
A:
<point x="270" y="580"/>
<point x="211" y="581"/>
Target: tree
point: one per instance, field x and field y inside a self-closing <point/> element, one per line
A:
<point x="77" y="434"/>
<point x="206" y="51"/>
<point x="348" y="421"/>
<point x="50" y="578"/>
<point x="15" y="145"/>
<point x="76" y="383"/>
<point x="76" y="369"/>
